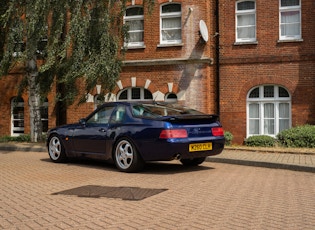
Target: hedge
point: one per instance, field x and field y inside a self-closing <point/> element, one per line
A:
<point x="261" y="141"/>
<point x="300" y="136"/>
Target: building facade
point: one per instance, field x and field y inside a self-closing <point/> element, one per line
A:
<point x="252" y="62"/>
<point x="267" y="66"/>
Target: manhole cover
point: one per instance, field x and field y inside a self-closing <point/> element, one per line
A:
<point x="125" y="193"/>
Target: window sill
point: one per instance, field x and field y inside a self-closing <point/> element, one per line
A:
<point x="246" y="43"/>
<point x="170" y="45"/>
<point x="134" y="47"/>
<point x="290" y="40"/>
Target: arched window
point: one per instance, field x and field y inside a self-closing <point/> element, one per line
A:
<point x="135" y="94"/>
<point x="134" y="20"/>
<point x="17" y="116"/>
<point x="171" y="24"/>
<point x="268" y="110"/>
<point x="171" y="97"/>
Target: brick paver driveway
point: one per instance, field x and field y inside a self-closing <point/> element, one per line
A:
<point x="212" y="196"/>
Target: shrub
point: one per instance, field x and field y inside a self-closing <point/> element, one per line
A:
<point x="228" y="137"/>
<point x="260" y="141"/>
<point x="21" y="138"/>
<point x="300" y="136"/>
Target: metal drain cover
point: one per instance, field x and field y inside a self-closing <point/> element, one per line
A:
<point x="125" y="193"/>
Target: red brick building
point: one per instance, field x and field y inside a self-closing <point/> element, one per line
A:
<point x="267" y="66"/>
<point x="262" y="52"/>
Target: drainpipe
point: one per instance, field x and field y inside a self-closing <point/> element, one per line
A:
<point x="217" y="53"/>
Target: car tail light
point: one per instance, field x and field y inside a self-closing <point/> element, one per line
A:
<point x="217" y="131"/>
<point x="173" y="133"/>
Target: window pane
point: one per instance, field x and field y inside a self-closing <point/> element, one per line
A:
<point x="135" y="24"/>
<point x="290" y="3"/>
<point x="254" y="93"/>
<point x="147" y="94"/>
<point x="171" y="35"/>
<point x="283" y="92"/>
<point x="172" y="96"/>
<point x="283" y="124"/>
<point x="269" y="125"/>
<point x="246" y="20"/>
<point x="171" y="23"/>
<point x="269" y="110"/>
<point x="253" y="119"/>
<point x="269" y="115"/>
<point x="268" y="91"/>
<point x="290" y="29"/>
<point x="246" y="32"/>
<point x="290" y="17"/>
<point x="135" y="37"/>
<point x="123" y="95"/>
<point x="134" y="11"/>
<point x="284" y="110"/>
<point x="135" y="93"/>
<point x="253" y="127"/>
<point x="248" y="5"/>
<point x="170" y="8"/>
<point x="254" y="111"/>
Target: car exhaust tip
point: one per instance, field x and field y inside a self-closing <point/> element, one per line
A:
<point x="177" y="156"/>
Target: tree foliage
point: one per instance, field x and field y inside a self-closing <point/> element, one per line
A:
<point x="74" y="39"/>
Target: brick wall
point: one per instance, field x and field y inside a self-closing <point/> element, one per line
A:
<point x="289" y="64"/>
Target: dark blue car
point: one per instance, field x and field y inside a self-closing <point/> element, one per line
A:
<point x="132" y="133"/>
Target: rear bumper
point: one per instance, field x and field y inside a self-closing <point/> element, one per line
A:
<point x="165" y="151"/>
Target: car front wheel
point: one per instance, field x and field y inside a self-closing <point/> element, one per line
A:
<point x="126" y="157"/>
<point x="56" y="150"/>
<point x="193" y="162"/>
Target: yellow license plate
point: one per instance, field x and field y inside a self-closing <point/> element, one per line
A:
<point x="200" y="147"/>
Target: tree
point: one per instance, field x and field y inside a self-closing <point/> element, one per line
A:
<point x="75" y="39"/>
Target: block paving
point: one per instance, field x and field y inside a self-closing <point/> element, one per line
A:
<point x="215" y="195"/>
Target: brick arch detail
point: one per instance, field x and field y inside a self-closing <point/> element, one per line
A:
<point x="141" y="82"/>
<point x="281" y="81"/>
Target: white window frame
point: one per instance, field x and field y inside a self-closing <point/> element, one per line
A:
<point x="170" y="15"/>
<point x="129" y="94"/>
<point x="242" y="13"/>
<point x="17" y="130"/>
<point x="261" y="101"/>
<point x="290" y="9"/>
<point x="135" y="18"/>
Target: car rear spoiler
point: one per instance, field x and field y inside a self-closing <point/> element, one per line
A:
<point x="206" y="117"/>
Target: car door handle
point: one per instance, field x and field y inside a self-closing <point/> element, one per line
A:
<point x="102" y="130"/>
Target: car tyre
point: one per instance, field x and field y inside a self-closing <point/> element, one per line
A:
<point x="193" y="162"/>
<point x="126" y="156"/>
<point x="56" y="150"/>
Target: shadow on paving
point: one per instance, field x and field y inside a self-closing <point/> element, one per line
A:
<point x="263" y="164"/>
<point x="124" y="193"/>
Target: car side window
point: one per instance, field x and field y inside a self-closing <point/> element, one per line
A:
<point x="144" y="111"/>
<point x="102" y="116"/>
<point x="118" y="115"/>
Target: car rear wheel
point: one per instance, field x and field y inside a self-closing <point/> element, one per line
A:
<point x="126" y="157"/>
<point x="193" y="162"/>
<point x="56" y="150"/>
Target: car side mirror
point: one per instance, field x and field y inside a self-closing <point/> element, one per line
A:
<point x="82" y="122"/>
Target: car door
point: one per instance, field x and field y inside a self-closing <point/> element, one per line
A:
<point x="91" y="136"/>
